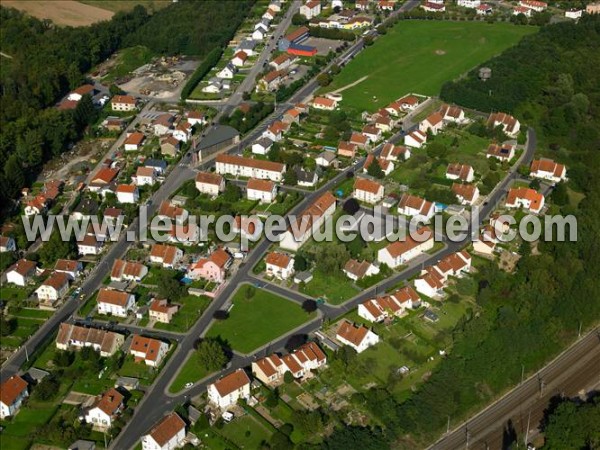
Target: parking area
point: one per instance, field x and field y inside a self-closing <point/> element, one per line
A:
<point x="322" y="45"/>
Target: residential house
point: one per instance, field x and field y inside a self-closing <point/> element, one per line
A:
<point x="248" y="46"/>
<point x="172" y="213"/>
<point x="546" y="169"/>
<point x="433" y="279"/>
<point x="240" y="58"/>
<point x="76" y="337"/>
<point x="434" y="123"/>
<point x="69" y="267"/>
<point x="535" y="5"/>
<point x="105" y="409"/>
<point x="574" y="13"/>
<point x="127" y="271"/>
<point x="269" y="14"/>
<point x="291" y="116"/>
<point x="127" y="193"/>
<point x="468" y="3"/>
<point x="412" y="205"/>
<point x="362" y="5"/>
<point x="168" y="256"/>
<point x="89" y="245"/>
<point x="249" y="228"/>
<point x="409" y="102"/>
<point x="115" y="303"/>
<point x="168" y="434"/>
<point x="7" y="244"/>
<point x="386" y="5"/>
<point x="250" y="168"/>
<point x="169" y="146"/>
<point x="358" y="337"/>
<point x="37" y="205"/>
<point x="368" y="191"/>
<point x="144" y="176"/>
<point x="452" y="114"/>
<point x="463" y="172"/>
<point x="522" y="10"/>
<point x="85" y="209"/>
<point x="228" y="390"/>
<point x="306" y="178"/>
<point x="276" y="130"/>
<point x="294" y="38"/>
<point x="395" y="153"/>
<point x="360" y="140"/>
<point x="162" y="311"/>
<point x="123" y="103"/>
<point x="395" y="304"/>
<point x="159" y="165"/>
<point x="385" y="124"/>
<point x="259" y="34"/>
<point x="282" y="62"/>
<point x="525" y="198"/>
<point x="372" y="133"/>
<point x="227" y="72"/>
<point x="12" y="393"/>
<point x="467" y="194"/>
<point x="21" y="272"/>
<point x="213" y="268"/>
<point x="346" y="149"/>
<point x="400" y="252"/>
<point x="509" y="124"/>
<point x="103" y="179"/>
<point x="151" y="351"/>
<point x="279" y="265"/>
<point x="504" y="152"/>
<point x="324" y="103"/>
<point x="195" y="118"/>
<point x="210" y="183"/>
<point x="325" y="158"/>
<point x="263" y="190"/>
<point x="311" y="9"/>
<point x="356" y="270"/>
<point x="484" y="10"/>
<point x="307" y="222"/>
<point x="183" y="131"/>
<point x="271" y="81"/>
<point x="163" y="124"/>
<point x="271" y="369"/>
<point x="53" y="288"/>
<point x="386" y="165"/>
<point x="415" y="139"/>
<point x="262" y="146"/>
<point x="134" y="141"/>
<point x="433" y="7"/>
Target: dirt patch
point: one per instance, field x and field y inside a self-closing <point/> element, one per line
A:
<point x="61" y="12"/>
<point x="440" y="52"/>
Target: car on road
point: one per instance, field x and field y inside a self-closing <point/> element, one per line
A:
<point x="188" y="385"/>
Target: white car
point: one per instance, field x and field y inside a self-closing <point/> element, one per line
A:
<point x="188" y="385"/>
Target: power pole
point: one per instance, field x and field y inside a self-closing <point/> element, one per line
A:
<point x="527" y="432"/>
<point x="522" y="372"/>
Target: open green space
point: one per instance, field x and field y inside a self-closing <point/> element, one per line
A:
<point x="420" y="56"/>
<point x="191" y="308"/>
<point x="335" y="288"/>
<point x="256" y="321"/>
<point x="245" y="432"/>
<point x="191" y="372"/>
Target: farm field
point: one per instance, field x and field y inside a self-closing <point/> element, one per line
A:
<point x="62" y="12"/>
<point x="127" y="5"/>
<point x="256" y="321"/>
<point x="419" y="56"/>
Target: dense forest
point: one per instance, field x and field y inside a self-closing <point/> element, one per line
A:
<point x="191" y="27"/>
<point x="551" y="81"/>
<point x="47" y="61"/>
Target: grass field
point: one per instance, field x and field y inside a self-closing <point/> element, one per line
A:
<point x="191" y="372"/>
<point x="253" y="323"/>
<point x="129" y="59"/>
<point x="419" y="56"/>
<point x="192" y="307"/>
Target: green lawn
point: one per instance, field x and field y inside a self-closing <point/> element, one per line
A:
<point x="245" y="432"/>
<point x="14" y="293"/>
<point x="419" y="56"/>
<point x="191" y="371"/>
<point x="17" y="433"/>
<point x="253" y="323"/>
<point x="335" y="288"/>
<point x="191" y="309"/>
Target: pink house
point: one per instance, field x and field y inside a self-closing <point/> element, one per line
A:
<point x="213" y="268"/>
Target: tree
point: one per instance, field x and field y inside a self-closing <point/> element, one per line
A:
<point x="324" y="79"/>
<point x="309" y="305"/>
<point x="290" y="178"/>
<point x="64" y="358"/>
<point x="299" y="19"/>
<point x="535" y="184"/>
<point x="300" y="263"/>
<point x="272" y="398"/>
<point x="288" y="377"/>
<point x="572" y="425"/>
<point x="56" y="248"/>
<point x="249" y="292"/>
<point x="560" y="195"/>
<point x="114" y="89"/>
<point x="351" y="206"/>
<point x="211" y="355"/>
<point x="375" y="170"/>
<point x="169" y="287"/>
<point x="221" y="314"/>
<point x="437" y="150"/>
<point x="356" y="246"/>
<point x="7" y="326"/>
<point x="232" y="193"/>
<point x="330" y="257"/>
<point x="47" y="388"/>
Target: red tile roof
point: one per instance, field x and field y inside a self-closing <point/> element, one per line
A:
<point x="352" y="333"/>
<point x="278" y="259"/>
<point x="167" y="429"/>
<point x="232" y="382"/>
<point x="11" y="389"/>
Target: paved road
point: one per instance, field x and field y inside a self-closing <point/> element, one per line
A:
<point x="575" y="370"/>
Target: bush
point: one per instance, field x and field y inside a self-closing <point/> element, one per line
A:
<point x="209" y="62"/>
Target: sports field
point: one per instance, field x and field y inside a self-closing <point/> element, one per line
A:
<point x="419" y="56"/>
